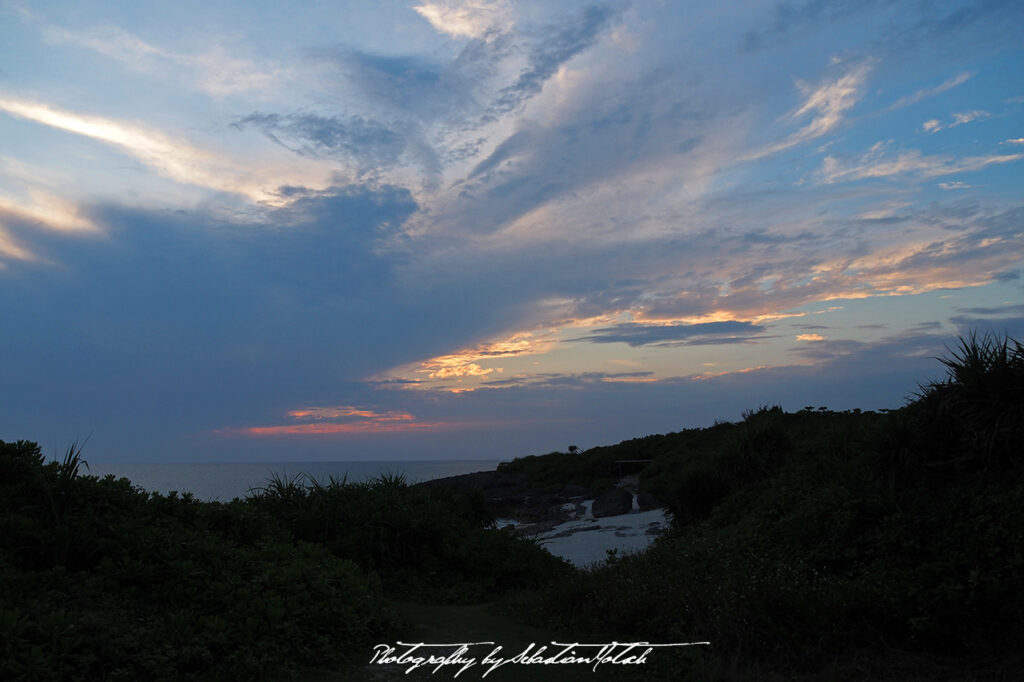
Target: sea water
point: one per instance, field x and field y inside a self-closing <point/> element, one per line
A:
<point x="225" y="481"/>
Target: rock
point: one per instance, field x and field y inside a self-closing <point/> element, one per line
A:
<point x="646" y="501"/>
<point x="572" y="490"/>
<point x="511" y="493"/>
<point x="506" y="480"/>
<point x="618" y="501"/>
<point x="540" y="500"/>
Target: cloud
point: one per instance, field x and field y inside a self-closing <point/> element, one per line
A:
<point x="341" y="419"/>
<point x="427" y="90"/>
<point x="955" y="185"/>
<point x="556" y="47"/>
<point x="925" y="93"/>
<point x="209" y="310"/>
<point x="1019" y="140"/>
<point x="50" y="212"/>
<point x="10" y="249"/>
<point x="1009" y="309"/>
<point x="42" y="211"/>
<point x="1012" y="325"/>
<point x="463" y="19"/>
<point x="635" y="334"/>
<point x="331" y="428"/>
<point x="591" y="167"/>
<point x="404" y="110"/>
<point x="369" y="144"/>
<point x="339" y="411"/>
<point x="967" y="117"/>
<point x="551" y="410"/>
<point x="586" y="172"/>
<point x="568" y="380"/>
<point x="218" y="71"/>
<point x="876" y="163"/>
<point x="934" y="125"/>
<point x="171" y="157"/>
<point x="430" y="112"/>
<point x="402" y="83"/>
<point x="826" y="103"/>
<point x="465" y="363"/>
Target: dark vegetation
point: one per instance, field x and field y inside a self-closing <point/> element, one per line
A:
<point x="102" y="580"/>
<point x="849" y="545"/>
<point x="812" y="545"/>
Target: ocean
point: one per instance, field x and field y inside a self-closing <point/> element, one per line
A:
<point x="224" y="481"/>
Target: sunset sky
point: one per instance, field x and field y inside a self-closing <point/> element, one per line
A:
<point x="398" y="230"/>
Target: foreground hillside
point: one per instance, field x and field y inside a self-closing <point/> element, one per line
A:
<point x="102" y="580"/>
<point x="846" y="544"/>
<point x="808" y="545"/>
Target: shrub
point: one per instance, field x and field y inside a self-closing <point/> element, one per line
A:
<point x="977" y="413"/>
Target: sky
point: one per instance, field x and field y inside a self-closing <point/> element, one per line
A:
<point x="479" y="229"/>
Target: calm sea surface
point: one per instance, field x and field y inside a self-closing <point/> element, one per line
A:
<point x="227" y="480"/>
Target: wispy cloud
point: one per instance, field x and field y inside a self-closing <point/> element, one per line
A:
<point x="550" y="199"/>
<point x="333" y="428"/>
<point x="925" y="93"/>
<point x="218" y="71"/>
<point x="10" y="249"/>
<point x="934" y="125"/>
<point x="635" y="334"/>
<point x="466" y="363"/>
<point x="877" y="163"/>
<point x="39" y="211"/>
<point x="340" y="411"/>
<point x="826" y="104"/>
<point x="347" y="419"/>
<point x="49" y="212"/>
<point x="466" y="18"/>
<point x="368" y="144"/>
<point x="172" y="157"/>
<point x="556" y="48"/>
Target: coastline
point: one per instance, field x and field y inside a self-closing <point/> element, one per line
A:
<point x="564" y="523"/>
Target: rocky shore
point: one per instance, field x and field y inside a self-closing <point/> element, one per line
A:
<point x="574" y="523"/>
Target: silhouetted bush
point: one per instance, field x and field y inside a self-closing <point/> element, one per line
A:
<point x="976" y="415"/>
<point x="102" y="580"/>
<point x="828" y="541"/>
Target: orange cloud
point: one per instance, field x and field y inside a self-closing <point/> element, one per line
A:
<point x="322" y="428"/>
<point x="471" y="369"/>
<point x="469" y="363"/>
<point x="712" y="375"/>
<point x="337" y="419"/>
<point x="339" y="411"/>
